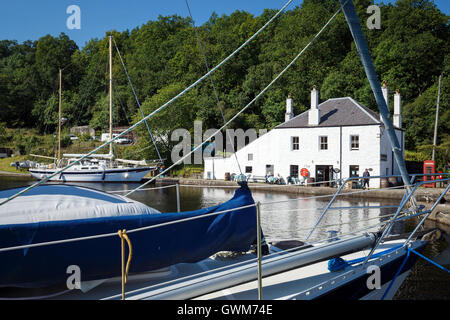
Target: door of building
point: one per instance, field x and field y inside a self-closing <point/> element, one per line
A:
<point x="324" y="173"/>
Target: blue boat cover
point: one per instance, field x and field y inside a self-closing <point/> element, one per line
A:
<point x="187" y="241"/>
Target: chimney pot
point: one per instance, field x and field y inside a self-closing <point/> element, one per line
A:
<point x="289" y="109"/>
<point x="397" y="120"/>
<point x="385" y="91"/>
<point x="314" y="112"/>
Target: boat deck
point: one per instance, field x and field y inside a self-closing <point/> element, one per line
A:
<point x="199" y="280"/>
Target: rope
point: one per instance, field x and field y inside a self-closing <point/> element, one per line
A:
<point x="165" y="105"/>
<point x="145" y="189"/>
<point x="137" y="100"/>
<point x="273" y="254"/>
<point x="115" y="233"/>
<point x="396" y="275"/>
<point x="427" y="259"/>
<point x="327" y="196"/>
<point x="408" y="250"/>
<point x="214" y="87"/>
<point x="142" y="229"/>
<point x="332" y="208"/>
<point x="123" y="236"/>
<point x="248" y="105"/>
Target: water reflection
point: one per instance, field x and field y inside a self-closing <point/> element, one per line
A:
<point x="290" y="219"/>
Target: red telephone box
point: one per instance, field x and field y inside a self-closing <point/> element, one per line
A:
<point x="429" y="167"/>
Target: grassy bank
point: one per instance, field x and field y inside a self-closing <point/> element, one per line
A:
<point x="6" y="167"/>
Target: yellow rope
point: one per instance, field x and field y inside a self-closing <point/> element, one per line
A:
<point x="123" y="236"/>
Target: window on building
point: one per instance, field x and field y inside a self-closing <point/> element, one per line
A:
<point x="354" y="171"/>
<point x="248" y="169"/>
<point x="354" y="142"/>
<point x="294" y="171"/>
<point x="323" y="143"/>
<point x="295" y="142"/>
<point x="250" y="156"/>
<point x="269" y="170"/>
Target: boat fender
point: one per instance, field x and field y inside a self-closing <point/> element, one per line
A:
<point x="337" y="264"/>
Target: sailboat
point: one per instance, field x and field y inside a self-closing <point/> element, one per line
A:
<point x="97" y="167"/>
<point x="48" y="232"/>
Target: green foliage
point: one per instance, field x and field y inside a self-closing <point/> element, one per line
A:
<point x="163" y="58"/>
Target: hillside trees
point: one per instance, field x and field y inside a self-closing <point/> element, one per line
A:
<point x="163" y="57"/>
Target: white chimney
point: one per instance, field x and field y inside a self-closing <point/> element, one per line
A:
<point x="289" y="109"/>
<point x="397" y="109"/>
<point x="314" y="112"/>
<point x="385" y="93"/>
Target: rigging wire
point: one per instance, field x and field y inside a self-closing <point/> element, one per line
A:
<point x="137" y="100"/>
<point x="162" y="107"/>
<point x="227" y="134"/>
<point x="244" y="108"/>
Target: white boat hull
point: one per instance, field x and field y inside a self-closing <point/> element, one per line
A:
<point x="107" y="175"/>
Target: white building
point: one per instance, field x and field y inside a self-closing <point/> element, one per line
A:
<point x="339" y="133"/>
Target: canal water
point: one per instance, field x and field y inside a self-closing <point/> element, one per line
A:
<point x="284" y="217"/>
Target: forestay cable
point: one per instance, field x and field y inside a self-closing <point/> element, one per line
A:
<point x="44" y="180"/>
<point x="137" y="100"/>
<point x="243" y="109"/>
<point x="227" y="134"/>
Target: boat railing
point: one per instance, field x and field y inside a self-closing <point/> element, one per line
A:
<point x="415" y="212"/>
<point x="400" y="215"/>
<point x="407" y="194"/>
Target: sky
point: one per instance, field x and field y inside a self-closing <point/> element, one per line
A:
<point x="23" y="20"/>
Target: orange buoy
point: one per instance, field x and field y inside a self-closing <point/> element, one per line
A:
<point x="304" y="172"/>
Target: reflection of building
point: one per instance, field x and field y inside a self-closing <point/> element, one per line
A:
<point x="338" y="135"/>
<point x="81" y="130"/>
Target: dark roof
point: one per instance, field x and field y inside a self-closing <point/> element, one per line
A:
<point x="334" y="113"/>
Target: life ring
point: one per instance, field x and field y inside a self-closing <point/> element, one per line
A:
<point x="304" y="172"/>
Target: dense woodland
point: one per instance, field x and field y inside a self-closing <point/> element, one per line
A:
<point x="410" y="51"/>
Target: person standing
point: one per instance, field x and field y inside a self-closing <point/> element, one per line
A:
<point x="366" y="174"/>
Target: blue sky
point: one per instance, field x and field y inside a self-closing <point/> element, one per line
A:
<point x="31" y="19"/>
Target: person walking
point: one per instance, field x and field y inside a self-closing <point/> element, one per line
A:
<point x="366" y="174"/>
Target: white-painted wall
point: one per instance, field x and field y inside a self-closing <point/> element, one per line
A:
<point x="275" y="148"/>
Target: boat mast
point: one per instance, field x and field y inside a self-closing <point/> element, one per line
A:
<point x="59" y="117"/>
<point x="110" y="99"/>
<point x="363" y="50"/>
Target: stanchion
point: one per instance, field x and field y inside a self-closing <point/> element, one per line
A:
<point x="178" y="197"/>
<point x="259" y="251"/>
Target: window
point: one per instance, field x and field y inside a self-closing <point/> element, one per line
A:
<point x="248" y="169"/>
<point x="269" y="170"/>
<point x="354" y="142"/>
<point x="294" y="171"/>
<point x="250" y="156"/>
<point x="354" y="171"/>
<point x="323" y="143"/>
<point x="295" y="143"/>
